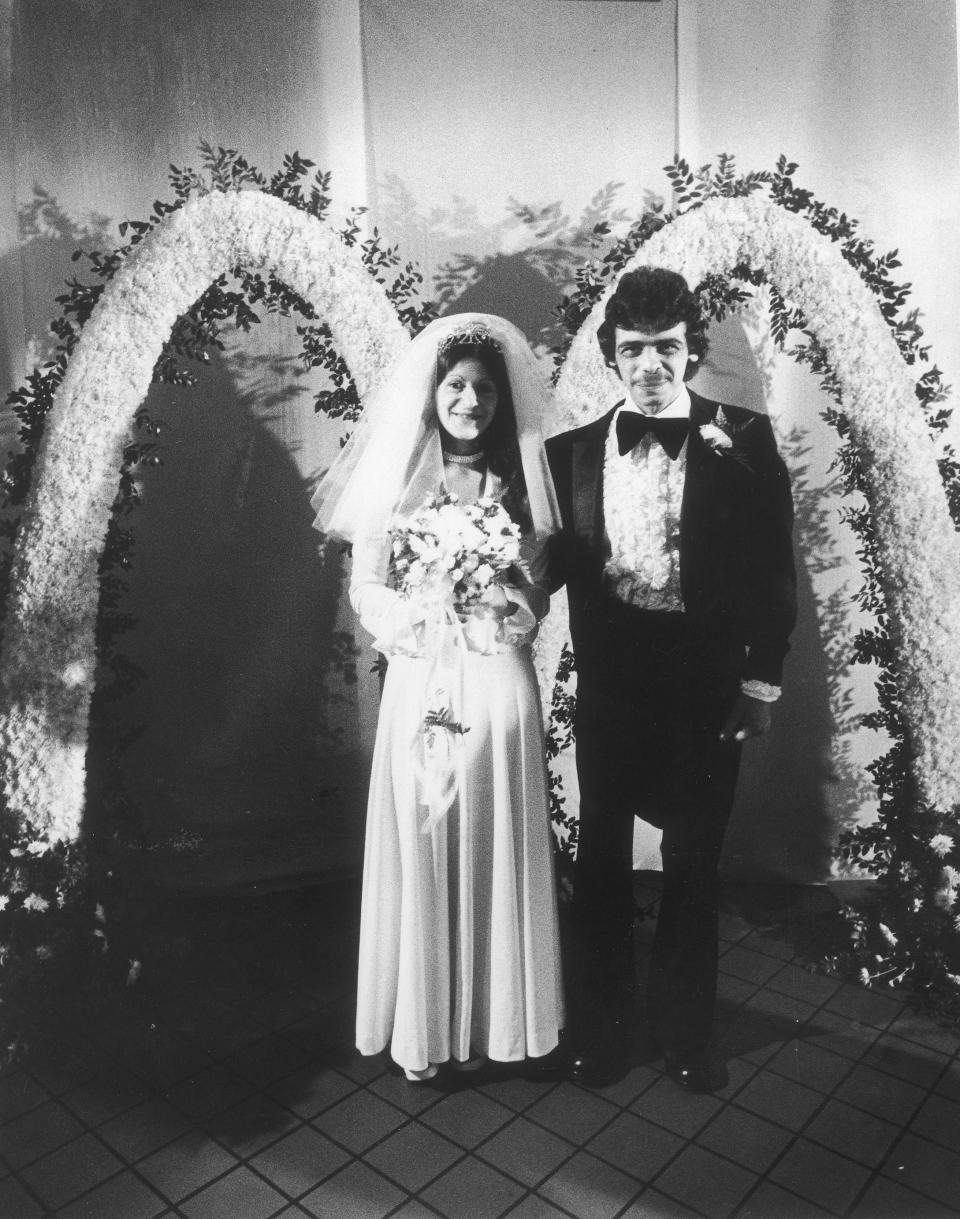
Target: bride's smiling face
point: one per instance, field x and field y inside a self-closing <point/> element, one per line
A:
<point x="466" y="403"/>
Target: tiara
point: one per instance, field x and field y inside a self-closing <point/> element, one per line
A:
<point x="473" y="334"/>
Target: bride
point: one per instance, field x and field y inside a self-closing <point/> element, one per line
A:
<point x="444" y="492"/>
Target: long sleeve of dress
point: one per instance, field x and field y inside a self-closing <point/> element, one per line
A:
<point x="527" y="591"/>
<point x="391" y="619"/>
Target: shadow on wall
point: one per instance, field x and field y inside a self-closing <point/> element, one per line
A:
<point x="796" y="790"/>
<point x="792" y="785"/>
<point x="250" y="756"/>
<point x="507" y="285"/>
<point x="519" y="266"/>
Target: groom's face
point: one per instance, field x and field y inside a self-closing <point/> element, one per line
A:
<point x="651" y="364"/>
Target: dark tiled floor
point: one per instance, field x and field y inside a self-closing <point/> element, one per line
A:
<point x="225" y="1084"/>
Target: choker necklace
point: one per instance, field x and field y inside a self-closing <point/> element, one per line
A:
<point x="464" y="459"/>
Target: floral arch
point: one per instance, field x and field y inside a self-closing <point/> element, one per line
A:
<point x="48" y="661"/>
<point x="918" y="547"/>
<point x="47" y="666"/>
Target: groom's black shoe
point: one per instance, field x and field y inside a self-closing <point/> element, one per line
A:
<point x="694" y="1073"/>
<point x="601" y="1058"/>
<point x="596" y="1066"/>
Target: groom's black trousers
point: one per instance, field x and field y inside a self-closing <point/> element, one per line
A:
<point x="654" y="690"/>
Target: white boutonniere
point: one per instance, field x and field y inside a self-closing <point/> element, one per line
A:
<point x="722" y="437"/>
<point x="715" y="438"/>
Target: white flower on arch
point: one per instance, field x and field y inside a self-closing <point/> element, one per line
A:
<point x="919" y="549"/>
<point x="48" y="661"/>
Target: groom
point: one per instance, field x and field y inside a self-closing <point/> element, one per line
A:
<point x="676" y="553"/>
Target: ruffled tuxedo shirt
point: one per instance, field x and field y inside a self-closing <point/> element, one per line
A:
<point x="642" y="494"/>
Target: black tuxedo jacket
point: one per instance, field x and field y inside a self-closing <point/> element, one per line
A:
<point x="737" y="574"/>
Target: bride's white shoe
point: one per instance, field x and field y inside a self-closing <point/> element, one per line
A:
<point x="473" y="1063"/>
<point x="419" y="1077"/>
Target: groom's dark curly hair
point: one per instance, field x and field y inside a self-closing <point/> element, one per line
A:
<point x="652" y="299"/>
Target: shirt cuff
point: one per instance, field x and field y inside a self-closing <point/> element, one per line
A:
<point x="760" y="690"/>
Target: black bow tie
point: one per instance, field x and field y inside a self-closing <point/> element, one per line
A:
<point x="632" y="427"/>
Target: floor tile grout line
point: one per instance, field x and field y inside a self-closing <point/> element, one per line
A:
<point x="361" y="1156"/>
<point x="930" y="1088"/>
<point x="308" y="1122"/>
<point x="260" y="1091"/>
<point x="877" y="1173"/>
<point x="581" y="1146"/>
<point x="765" y="1180"/>
<point x="953" y="1056"/>
<point x="475" y="1148"/>
<point x="686" y="1142"/>
<point x="730" y="1102"/>
<point x="531" y="1192"/>
<point x="195" y="1124"/>
<point x="472" y="1152"/>
<point x="47" y="1097"/>
<point x="801" y="1133"/>
<point x="660" y="1189"/>
<point x="576" y="1148"/>
<point x="426" y="1185"/>
<point x="124" y="1167"/>
<point x="260" y="1087"/>
<point x="26" y="1187"/>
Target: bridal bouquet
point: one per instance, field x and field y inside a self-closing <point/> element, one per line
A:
<point x="453" y="552"/>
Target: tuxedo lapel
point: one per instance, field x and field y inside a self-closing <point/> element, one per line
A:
<point x="588" y="452"/>
<point x="701" y="411"/>
<point x="698" y="504"/>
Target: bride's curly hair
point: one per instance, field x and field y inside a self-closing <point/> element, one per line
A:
<point x="500" y="438"/>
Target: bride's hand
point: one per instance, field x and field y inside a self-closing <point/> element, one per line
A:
<point x="495" y="599"/>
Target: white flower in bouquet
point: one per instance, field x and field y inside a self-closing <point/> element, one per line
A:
<point x="484" y="575"/>
<point x="453" y="552"/>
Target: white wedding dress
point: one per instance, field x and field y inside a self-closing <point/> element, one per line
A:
<point x="459" y="949"/>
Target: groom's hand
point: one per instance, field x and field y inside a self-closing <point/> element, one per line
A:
<point x="749" y="717"/>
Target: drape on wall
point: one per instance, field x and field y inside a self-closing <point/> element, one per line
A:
<point x="487" y="138"/>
